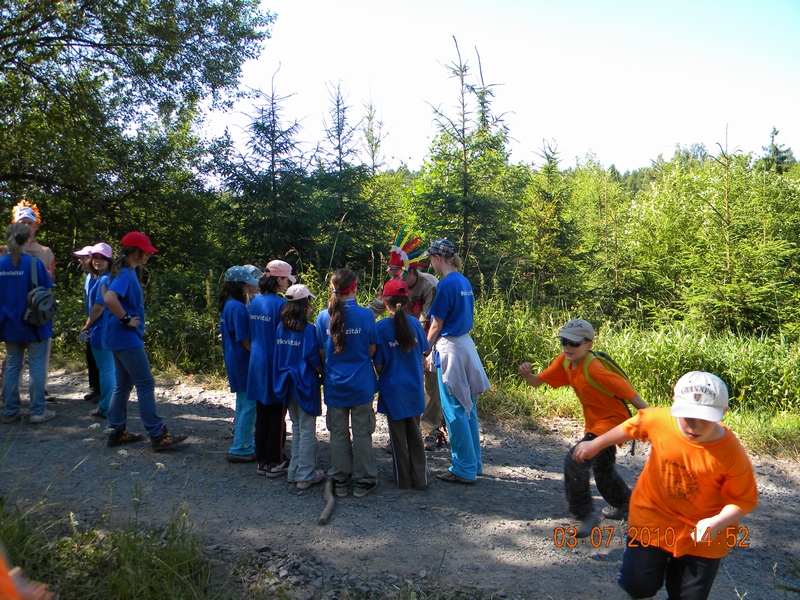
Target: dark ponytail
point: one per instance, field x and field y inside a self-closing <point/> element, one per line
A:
<point x="17" y="235"/>
<point x="341" y="281"/>
<point x="402" y="330"/>
<point x="294" y="314"/>
<point x="230" y="289"/>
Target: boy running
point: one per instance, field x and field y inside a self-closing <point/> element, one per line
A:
<point x="601" y="413"/>
<point x="697" y="483"/>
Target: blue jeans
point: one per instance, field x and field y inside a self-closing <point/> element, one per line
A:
<point x="133" y="369"/>
<point x="37" y="359"/>
<point x="243" y="426"/>
<point x="104" y="359"/>
<point x="465" y="440"/>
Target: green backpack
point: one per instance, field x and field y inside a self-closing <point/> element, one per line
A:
<point x="610" y="365"/>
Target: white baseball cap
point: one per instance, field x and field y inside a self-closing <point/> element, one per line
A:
<point x="700" y="395"/>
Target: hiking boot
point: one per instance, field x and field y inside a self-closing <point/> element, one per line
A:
<point x="47" y="415"/>
<point x="362" y="489"/>
<point x="166" y="440"/>
<point x="123" y="437"/>
<point x="584" y="525"/>
<point x="615" y="513"/>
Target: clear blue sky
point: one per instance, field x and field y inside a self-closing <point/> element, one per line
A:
<point x="626" y="80"/>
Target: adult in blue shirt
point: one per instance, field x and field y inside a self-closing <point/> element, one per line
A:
<point x="123" y="334"/>
<point x="15" y="282"/>
<point x="458" y="367"/>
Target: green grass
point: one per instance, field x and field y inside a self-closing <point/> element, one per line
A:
<point x="132" y="563"/>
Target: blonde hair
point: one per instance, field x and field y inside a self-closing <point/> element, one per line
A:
<point x="16" y="236"/>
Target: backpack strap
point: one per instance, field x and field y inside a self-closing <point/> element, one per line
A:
<point x="34" y="275"/>
<point x="590" y="380"/>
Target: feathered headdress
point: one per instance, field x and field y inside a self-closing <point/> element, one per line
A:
<point x="406" y="251"/>
<point x="26" y="210"/>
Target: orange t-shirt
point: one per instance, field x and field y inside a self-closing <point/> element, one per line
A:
<point x="8" y="590"/>
<point x="684" y="481"/>
<point x="601" y="412"/>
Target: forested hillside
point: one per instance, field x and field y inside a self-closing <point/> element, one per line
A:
<point x="100" y="103"/>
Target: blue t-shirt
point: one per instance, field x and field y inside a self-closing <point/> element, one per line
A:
<point x="116" y="335"/>
<point x="15" y="283"/>
<point x="349" y="378"/>
<point x="296" y="357"/>
<point x="235" y="327"/>
<point x="88" y="286"/>
<point x="401" y="393"/>
<point x="454" y="304"/>
<point x="96" y="297"/>
<point x="265" y="315"/>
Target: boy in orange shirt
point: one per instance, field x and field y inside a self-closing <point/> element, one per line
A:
<point x="601" y="413"/>
<point x="696" y="485"/>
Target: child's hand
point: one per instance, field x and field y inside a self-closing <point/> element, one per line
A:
<point x="702" y="530"/>
<point x="583" y="451"/>
<point x="525" y="369"/>
<point x="29" y="590"/>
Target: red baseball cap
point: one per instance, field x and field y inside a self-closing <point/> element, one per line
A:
<point x="135" y="239"/>
<point x="395" y="287"/>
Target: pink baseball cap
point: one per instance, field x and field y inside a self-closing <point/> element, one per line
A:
<point x="85" y="251"/>
<point x="279" y="268"/>
<point x="102" y="248"/>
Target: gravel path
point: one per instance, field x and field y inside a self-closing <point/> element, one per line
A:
<point x="492" y="539"/>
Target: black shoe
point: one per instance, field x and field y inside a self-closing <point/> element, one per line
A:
<point x="123" y="437"/>
<point x="166" y="440"/>
<point x="237" y="458"/>
<point x="93" y="396"/>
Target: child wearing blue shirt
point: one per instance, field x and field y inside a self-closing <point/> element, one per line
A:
<point x="297" y="368"/>
<point x="347" y="341"/>
<point x="401" y="395"/>
<point x="235" y="330"/>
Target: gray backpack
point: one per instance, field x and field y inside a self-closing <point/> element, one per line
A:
<point x="41" y="305"/>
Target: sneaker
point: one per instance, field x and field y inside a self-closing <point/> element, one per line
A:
<point x="22" y="412"/>
<point x="340" y="489"/>
<point x="262" y="468"/>
<point x="92" y="396"/>
<point x="241" y="458"/>
<point x="278" y="469"/>
<point x="123" y="437"/>
<point x="453" y="478"/>
<point x="319" y="477"/>
<point x="47" y="415"/>
<point x="98" y="414"/>
<point x="166" y="440"/>
<point x="615" y="513"/>
<point x="362" y="489"/>
<point x="584" y="525"/>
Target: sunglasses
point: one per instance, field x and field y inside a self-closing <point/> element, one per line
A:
<point x="571" y="344"/>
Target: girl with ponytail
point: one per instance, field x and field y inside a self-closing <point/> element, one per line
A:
<point x="401" y="394"/>
<point x="347" y="340"/>
<point x="19" y="336"/>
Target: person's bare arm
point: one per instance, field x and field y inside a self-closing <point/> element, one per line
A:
<point x="638" y="402"/>
<point x="586" y="450"/>
<point x="527" y="374"/>
<point x="115" y="306"/>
